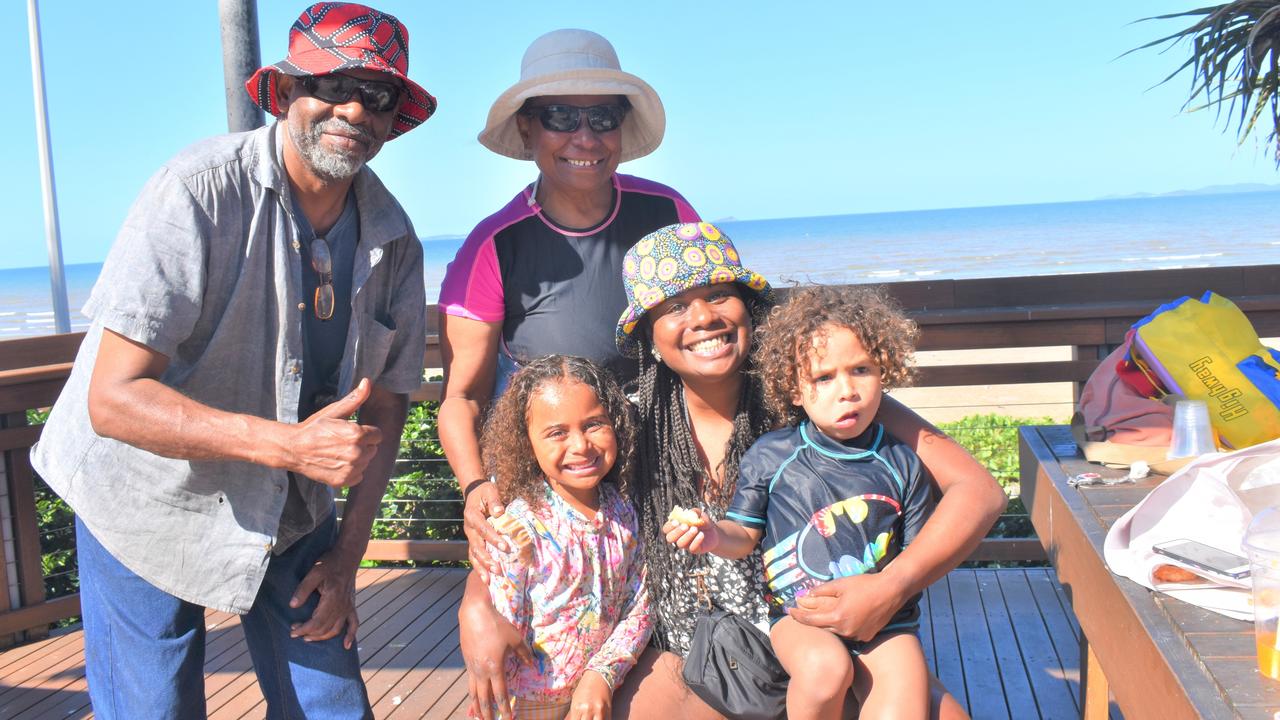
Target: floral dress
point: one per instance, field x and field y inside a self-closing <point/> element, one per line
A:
<point x="576" y="591"/>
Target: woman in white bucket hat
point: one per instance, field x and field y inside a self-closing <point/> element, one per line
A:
<point x="575" y="62"/>
<point x="544" y="274"/>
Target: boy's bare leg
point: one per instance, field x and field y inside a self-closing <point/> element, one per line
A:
<point x="892" y="679"/>
<point x="942" y="704"/>
<point x="820" y="666"/>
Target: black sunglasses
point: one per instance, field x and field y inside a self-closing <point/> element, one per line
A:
<point x="568" y="118"/>
<point x="375" y="95"/>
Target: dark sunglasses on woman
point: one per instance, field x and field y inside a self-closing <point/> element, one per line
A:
<point x="568" y="118"/>
<point x="375" y="95"/>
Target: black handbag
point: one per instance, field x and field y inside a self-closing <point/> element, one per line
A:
<point x="731" y="666"/>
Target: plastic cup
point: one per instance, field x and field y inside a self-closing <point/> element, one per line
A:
<point x="1262" y="542"/>
<point x="1192" y="433"/>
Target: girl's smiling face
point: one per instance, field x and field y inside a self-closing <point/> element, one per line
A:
<point x="704" y="332"/>
<point x="573" y="440"/>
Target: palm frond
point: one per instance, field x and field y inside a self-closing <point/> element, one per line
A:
<point x="1234" y="63"/>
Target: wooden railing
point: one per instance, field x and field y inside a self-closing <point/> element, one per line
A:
<point x="1088" y="313"/>
<point x="32" y="372"/>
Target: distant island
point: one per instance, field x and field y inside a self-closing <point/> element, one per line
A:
<point x="1208" y="190"/>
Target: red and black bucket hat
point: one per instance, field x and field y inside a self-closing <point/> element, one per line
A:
<point x="330" y="37"/>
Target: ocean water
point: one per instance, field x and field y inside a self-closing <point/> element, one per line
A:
<point x="26" y="303"/>
<point x="1047" y="239"/>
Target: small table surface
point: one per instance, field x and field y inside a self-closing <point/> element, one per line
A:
<point x="1161" y="658"/>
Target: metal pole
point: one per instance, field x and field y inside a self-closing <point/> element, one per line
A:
<point x="57" y="277"/>
<point x="241" y="56"/>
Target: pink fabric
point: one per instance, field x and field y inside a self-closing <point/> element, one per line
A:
<point x="1211" y="500"/>
<point x="1124" y="416"/>
<point x="472" y="286"/>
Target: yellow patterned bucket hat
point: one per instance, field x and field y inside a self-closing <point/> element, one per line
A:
<point x="671" y="260"/>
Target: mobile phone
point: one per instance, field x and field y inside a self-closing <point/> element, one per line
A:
<point x="1204" y="557"/>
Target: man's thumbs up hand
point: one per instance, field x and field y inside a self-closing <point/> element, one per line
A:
<point x="347" y="405"/>
<point x="330" y="449"/>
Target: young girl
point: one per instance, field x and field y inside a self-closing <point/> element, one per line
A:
<point x="829" y="496"/>
<point x="560" y="443"/>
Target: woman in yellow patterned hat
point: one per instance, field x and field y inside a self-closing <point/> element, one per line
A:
<point x="701" y="407"/>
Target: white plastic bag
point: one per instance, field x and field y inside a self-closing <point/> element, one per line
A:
<point x="1210" y="500"/>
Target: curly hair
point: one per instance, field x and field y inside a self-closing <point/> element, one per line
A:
<point x="668" y="467"/>
<point x="786" y="339"/>
<point x="505" y="445"/>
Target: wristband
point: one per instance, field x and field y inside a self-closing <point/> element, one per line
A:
<point x="466" y="492"/>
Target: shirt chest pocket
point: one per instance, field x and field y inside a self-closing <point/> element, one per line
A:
<point x="376" y="338"/>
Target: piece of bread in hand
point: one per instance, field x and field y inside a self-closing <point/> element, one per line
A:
<point x="514" y="532"/>
<point x="1175" y="574"/>
<point x="686" y="516"/>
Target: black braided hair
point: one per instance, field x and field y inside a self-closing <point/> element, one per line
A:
<point x="668" y="468"/>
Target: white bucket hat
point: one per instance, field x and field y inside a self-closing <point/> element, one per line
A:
<point x="575" y="62"/>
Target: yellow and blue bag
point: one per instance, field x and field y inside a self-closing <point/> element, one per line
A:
<point x="1207" y="350"/>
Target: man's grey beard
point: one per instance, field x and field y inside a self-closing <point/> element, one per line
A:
<point x="331" y="165"/>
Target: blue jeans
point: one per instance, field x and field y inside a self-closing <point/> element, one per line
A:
<point x="144" y="648"/>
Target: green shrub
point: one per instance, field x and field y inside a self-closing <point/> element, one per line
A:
<point x="57" y="542"/>
<point x="993" y="440"/>
<point x="57" y="532"/>
<point x="422" y="499"/>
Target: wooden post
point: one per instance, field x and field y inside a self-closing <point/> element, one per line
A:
<point x="9" y="597"/>
<point x="1095" y="700"/>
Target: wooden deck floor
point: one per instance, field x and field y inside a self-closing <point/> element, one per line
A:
<point x="1020" y="651"/>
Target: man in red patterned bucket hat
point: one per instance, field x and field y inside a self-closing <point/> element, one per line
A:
<point x="264" y="288"/>
<point x="337" y="38"/>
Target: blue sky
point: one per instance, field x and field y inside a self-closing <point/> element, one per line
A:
<point x="773" y="110"/>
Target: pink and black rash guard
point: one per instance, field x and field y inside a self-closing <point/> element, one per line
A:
<point x="557" y="289"/>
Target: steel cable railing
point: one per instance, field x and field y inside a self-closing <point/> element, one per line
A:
<point x="423" y="502"/>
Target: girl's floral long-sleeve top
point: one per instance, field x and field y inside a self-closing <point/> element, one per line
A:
<point x="576" y="590"/>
